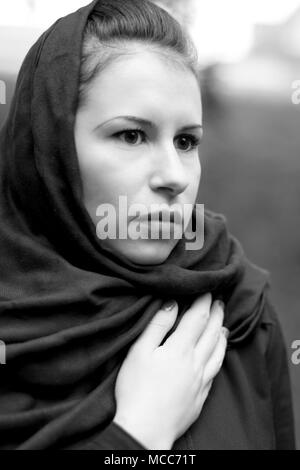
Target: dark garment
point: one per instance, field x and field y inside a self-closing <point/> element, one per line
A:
<point x="249" y="406"/>
<point x="112" y="438"/>
<point x="69" y="310"/>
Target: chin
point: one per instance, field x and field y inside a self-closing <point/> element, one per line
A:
<point x="144" y="251"/>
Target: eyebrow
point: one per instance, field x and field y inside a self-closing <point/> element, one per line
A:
<point x="148" y="123"/>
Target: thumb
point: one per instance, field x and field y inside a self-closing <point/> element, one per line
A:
<point x="159" y="326"/>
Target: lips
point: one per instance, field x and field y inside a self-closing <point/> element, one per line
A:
<point x="162" y="216"/>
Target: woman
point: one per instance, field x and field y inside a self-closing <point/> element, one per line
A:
<point x="107" y="104"/>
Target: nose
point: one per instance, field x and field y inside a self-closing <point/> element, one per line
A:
<point x="169" y="173"/>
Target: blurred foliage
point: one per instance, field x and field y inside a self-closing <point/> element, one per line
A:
<point x="251" y="172"/>
<point x="182" y="10"/>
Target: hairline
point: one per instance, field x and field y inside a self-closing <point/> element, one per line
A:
<point x="125" y="48"/>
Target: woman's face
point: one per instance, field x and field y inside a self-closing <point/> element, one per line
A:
<point x="137" y="136"/>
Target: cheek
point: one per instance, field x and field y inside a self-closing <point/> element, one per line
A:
<point x="104" y="179"/>
<point x="95" y="181"/>
<point x="195" y="177"/>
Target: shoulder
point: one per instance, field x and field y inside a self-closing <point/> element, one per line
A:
<point x="277" y="366"/>
<point x="273" y="346"/>
<point x="270" y="323"/>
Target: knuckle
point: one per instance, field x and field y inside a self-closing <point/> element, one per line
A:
<point x="162" y="318"/>
<point x="203" y="300"/>
<point x="225" y="334"/>
<point x="162" y="314"/>
<point x="160" y="324"/>
<point x="205" y="379"/>
<point x="220" y="360"/>
<point x="218" y="309"/>
<point x="222" y="344"/>
<point x="219" y="324"/>
<point x="207" y="299"/>
<point x="205" y="315"/>
<point x="215" y="335"/>
<point x="136" y="348"/>
<point x="224" y="341"/>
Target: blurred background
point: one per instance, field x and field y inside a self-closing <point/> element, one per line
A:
<point x="249" y="54"/>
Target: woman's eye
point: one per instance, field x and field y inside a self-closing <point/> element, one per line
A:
<point x="186" y="142"/>
<point x="131" y="136"/>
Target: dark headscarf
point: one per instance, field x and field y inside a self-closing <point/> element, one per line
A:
<point x="69" y="311"/>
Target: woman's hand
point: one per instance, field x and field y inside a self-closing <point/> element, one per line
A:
<point x="160" y="390"/>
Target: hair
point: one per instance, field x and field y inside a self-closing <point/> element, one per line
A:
<point x="114" y="24"/>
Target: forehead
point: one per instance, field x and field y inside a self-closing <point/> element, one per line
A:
<point x="145" y="81"/>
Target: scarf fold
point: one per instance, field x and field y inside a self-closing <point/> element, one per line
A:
<point x="69" y="311"/>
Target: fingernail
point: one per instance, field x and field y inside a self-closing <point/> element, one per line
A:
<point x="225" y="331"/>
<point x="169" y="305"/>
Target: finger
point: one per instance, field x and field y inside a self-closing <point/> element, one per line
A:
<point x="158" y="327"/>
<point x="202" y="395"/>
<point x="192" y="324"/>
<point x="215" y="362"/>
<point x="210" y="335"/>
